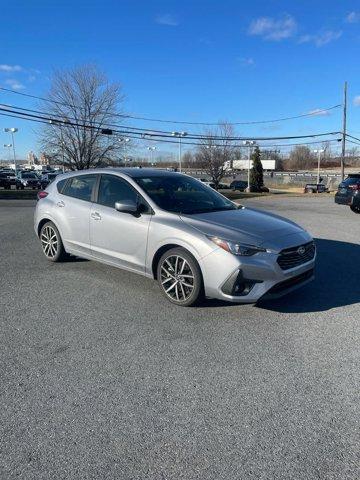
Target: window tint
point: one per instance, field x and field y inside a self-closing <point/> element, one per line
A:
<point x="183" y="194"/>
<point x="114" y="189"/>
<point x="80" y="187"/>
<point x="60" y="185"/>
<point x="351" y="181"/>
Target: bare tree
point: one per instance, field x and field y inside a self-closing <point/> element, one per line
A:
<point x="213" y="152"/>
<point x="301" y="157"/>
<point x="82" y="104"/>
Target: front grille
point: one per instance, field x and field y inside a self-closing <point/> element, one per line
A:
<point x="296" y="256"/>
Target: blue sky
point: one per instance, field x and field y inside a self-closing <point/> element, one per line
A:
<point x="192" y="60"/>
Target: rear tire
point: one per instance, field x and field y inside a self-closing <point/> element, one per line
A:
<point x="355" y="209"/>
<point x="51" y="243"/>
<point x="179" y="277"/>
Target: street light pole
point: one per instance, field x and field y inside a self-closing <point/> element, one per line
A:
<point x="319" y="152"/>
<point x="249" y="143"/>
<point x="151" y="149"/>
<point x="12" y="131"/>
<point x="179" y="135"/>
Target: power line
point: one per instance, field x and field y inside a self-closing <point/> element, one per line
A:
<point x="135" y="117"/>
<point x="157" y="135"/>
<point x="137" y="136"/>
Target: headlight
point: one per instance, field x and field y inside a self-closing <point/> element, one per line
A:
<point x="24" y="182"/>
<point x="237" y="248"/>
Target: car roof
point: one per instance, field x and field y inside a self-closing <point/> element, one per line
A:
<point x="130" y="172"/>
<point x="353" y="175"/>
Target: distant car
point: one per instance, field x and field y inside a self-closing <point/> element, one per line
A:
<point x="27" y="180"/>
<point x="207" y="182"/>
<point x="240" y="185"/>
<point x="223" y="186"/>
<point x="349" y="192"/>
<point x="47" y="178"/>
<point x="315" y="188"/>
<point x="5" y="180"/>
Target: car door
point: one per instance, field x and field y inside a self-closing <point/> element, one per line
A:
<point x="73" y="207"/>
<point x="117" y="237"/>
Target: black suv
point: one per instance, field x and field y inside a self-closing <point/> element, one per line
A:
<point x="27" y="179"/>
<point x="349" y="192"/>
<point x="5" y="181"/>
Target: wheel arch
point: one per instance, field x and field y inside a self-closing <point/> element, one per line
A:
<point x="168" y="246"/>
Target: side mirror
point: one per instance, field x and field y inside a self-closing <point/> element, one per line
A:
<point x="127" y="207"/>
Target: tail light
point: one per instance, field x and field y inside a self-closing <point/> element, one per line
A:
<point x="42" y="194"/>
<point x="355" y="187"/>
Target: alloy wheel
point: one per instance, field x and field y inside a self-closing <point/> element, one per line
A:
<point x="177" y="278"/>
<point x="49" y="241"/>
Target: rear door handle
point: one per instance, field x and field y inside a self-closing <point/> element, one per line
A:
<point x="60" y="204"/>
<point x="96" y="216"/>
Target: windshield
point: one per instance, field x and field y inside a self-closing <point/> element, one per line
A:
<point x="182" y="194"/>
<point x="28" y="175"/>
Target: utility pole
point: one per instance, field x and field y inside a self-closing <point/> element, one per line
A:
<point x="343" y="145"/>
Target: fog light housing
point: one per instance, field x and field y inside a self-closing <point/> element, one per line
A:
<point x="238" y="286"/>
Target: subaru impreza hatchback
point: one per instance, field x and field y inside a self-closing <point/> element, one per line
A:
<point x="170" y="227"/>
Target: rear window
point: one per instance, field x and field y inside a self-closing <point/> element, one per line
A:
<point x="350" y="181"/>
<point x="80" y="187"/>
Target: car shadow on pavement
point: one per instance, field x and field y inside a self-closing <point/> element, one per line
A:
<point x="336" y="281"/>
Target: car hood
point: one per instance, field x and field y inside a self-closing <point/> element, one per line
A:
<point x="249" y="226"/>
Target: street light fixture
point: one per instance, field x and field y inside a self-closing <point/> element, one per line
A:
<point x="12" y="131"/>
<point x="249" y="143"/>
<point x="319" y="152"/>
<point x="151" y="149"/>
<point x="179" y="135"/>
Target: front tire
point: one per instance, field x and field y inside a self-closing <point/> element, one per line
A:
<point x="51" y="243"/>
<point x="179" y="277"/>
<point x="355" y="209"/>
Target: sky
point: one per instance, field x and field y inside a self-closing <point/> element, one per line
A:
<point x="196" y="61"/>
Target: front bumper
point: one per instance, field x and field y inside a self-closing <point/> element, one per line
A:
<point x="247" y="279"/>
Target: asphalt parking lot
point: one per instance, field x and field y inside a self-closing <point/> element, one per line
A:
<point x="102" y="378"/>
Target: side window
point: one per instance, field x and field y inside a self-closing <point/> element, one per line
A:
<point x="60" y="185"/>
<point x="80" y="187"/>
<point x="114" y="189"/>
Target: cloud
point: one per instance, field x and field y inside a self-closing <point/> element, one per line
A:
<point x="321" y="39"/>
<point x="10" y="68"/>
<point x="14" y="84"/>
<point x="318" y="112"/>
<point x="246" y="61"/>
<point x="166" y="19"/>
<point x="356" y="101"/>
<point x="352" y="17"/>
<point x="273" y="29"/>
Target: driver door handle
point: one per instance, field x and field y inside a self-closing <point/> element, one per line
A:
<point x="96" y="216"/>
<point x="60" y="204"/>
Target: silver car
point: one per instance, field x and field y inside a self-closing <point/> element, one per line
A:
<point x="170" y="227"/>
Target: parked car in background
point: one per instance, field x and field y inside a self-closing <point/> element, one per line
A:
<point x="349" y="192"/>
<point x="239" y="185"/>
<point x="27" y="180"/>
<point x="170" y="227"/>
<point x="207" y="182"/>
<point x="315" y="188"/>
<point x="5" y="180"/>
<point x="47" y="178"/>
